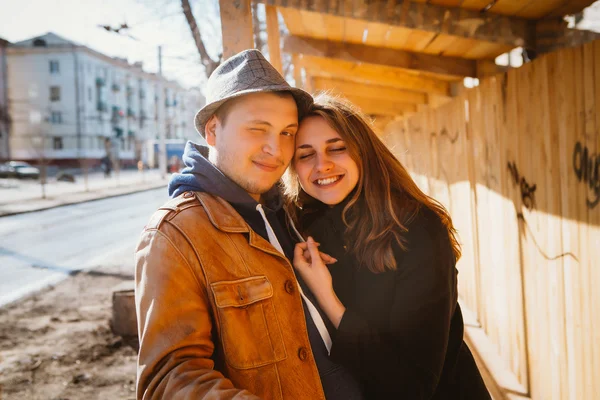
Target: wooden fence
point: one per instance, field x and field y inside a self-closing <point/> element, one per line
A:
<point x="517" y="162"/>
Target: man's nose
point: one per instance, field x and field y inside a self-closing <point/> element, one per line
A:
<point x="273" y="146"/>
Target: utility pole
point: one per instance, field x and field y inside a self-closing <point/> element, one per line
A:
<point x="162" y="146"/>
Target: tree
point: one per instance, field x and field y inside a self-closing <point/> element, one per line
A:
<point x="209" y="64"/>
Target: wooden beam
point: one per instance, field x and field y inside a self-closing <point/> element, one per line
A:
<point x="569" y="7"/>
<point x="273" y="39"/>
<point x="553" y="34"/>
<point x="374" y="74"/>
<point x="455" y="21"/>
<point x="236" y="26"/>
<point x="373" y="106"/>
<point x="487" y="68"/>
<point x="452" y="66"/>
<point x="297" y="71"/>
<point x="369" y="91"/>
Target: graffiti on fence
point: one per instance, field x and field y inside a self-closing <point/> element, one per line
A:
<point x="527" y="190"/>
<point x="587" y="170"/>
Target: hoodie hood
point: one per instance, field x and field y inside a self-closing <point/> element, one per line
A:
<point x="200" y="175"/>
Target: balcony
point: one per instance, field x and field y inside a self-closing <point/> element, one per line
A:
<point x="101" y="106"/>
<point x="116" y="87"/>
<point x="130" y="113"/>
<point x="100" y="82"/>
<point x="118" y="132"/>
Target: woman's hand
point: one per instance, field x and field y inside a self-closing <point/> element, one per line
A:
<point x="310" y="264"/>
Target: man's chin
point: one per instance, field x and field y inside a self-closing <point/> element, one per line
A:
<point x="258" y="188"/>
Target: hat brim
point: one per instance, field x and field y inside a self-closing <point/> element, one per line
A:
<point x="303" y="100"/>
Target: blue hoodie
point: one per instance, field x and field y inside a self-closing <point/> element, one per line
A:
<point x="200" y="175"/>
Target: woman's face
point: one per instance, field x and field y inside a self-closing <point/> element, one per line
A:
<point x="323" y="164"/>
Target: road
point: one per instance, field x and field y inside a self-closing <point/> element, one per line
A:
<point x="41" y="248"/>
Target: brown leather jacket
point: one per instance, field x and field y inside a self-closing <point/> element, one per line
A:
<point x="219" y="311"/>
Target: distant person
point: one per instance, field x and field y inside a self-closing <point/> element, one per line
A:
<point x="221" y="314"/>
<point x="106" y="166"/>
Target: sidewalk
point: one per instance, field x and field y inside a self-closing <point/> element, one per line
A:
<point x="20" y="196"/>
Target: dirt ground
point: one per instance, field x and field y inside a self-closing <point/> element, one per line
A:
<point x="58" y="344"/>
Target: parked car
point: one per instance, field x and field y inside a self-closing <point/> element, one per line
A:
<point x="7" y="171"/>
<point x="20" y="170"/>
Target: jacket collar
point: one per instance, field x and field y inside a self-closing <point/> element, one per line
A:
<point x="222" y="215"/>
<point x="225" y="218"/>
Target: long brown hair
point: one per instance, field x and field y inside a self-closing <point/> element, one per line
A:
<point x="386" y="198"/>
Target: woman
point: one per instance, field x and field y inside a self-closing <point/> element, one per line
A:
<point x="392" y="295"/>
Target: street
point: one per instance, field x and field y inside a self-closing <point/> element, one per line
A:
<point x="42" y="248"/>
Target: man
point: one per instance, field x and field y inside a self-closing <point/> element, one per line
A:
<point x="220" y="312"/>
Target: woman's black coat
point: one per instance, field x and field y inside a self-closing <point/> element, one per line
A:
<point x="402" y="332"/>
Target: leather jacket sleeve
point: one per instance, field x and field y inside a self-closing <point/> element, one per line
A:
<point x="175" y="324"/>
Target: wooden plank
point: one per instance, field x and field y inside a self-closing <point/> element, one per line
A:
<point x="375" y="74"/>
<point x="452" y="66"/>
<point x="590" y="263"/>
<point x="273" y="39"/>
<point x="571" y="200"/>
<point x="397" y="37"/>
<point x="354" y="30"/>
<point x="513" y="337"/>
<point x="380" y="107"/>
<point x="314" y="24"/>
<point x="369" y="91"/>
<point x="594" y="222"/>
<point x="297" y="64"/>
<point x="293" y="20"/>
<point x="376" y="34"/>
<point x="236" y="26"/>
<point x="530" y="9"/>
<point x="334" y="27"/>
<point x="426" y="17"/>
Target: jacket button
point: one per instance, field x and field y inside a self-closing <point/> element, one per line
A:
<point x="187" y="195"/>
<point x="289" y="286"/>
<point x="302" y="353"/>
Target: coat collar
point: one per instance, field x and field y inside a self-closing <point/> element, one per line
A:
<point x="225" y="218"/>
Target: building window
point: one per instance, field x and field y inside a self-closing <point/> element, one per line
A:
<point x="57" y="143"/>
<point x="54" y="93"/>
<point x="89" y="94"/>
<point x="54" y="67"/>
<point x="56" y="117"/>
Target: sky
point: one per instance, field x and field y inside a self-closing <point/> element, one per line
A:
<point x="152" y="23"/>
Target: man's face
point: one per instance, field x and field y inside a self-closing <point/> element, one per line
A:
<point x="255" y="144"/>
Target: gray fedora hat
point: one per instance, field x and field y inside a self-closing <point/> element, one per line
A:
<point x="244" y="73"/>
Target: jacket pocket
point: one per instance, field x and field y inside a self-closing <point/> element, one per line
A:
<point x="250" y="331"/>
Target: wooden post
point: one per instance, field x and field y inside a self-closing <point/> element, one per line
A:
<point x="236" y="26"/>
<point x="273" y="38"/>
<point x="124" y="319"/>
<point x="297" y="71"/>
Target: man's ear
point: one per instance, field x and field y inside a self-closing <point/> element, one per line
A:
<point x="210" y="130"/>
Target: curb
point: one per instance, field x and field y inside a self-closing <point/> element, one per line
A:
<point x="69" y="203"/>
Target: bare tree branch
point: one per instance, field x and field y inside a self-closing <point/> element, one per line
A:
<point x="209" y="64"/>
<point x="256" y="24"/>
